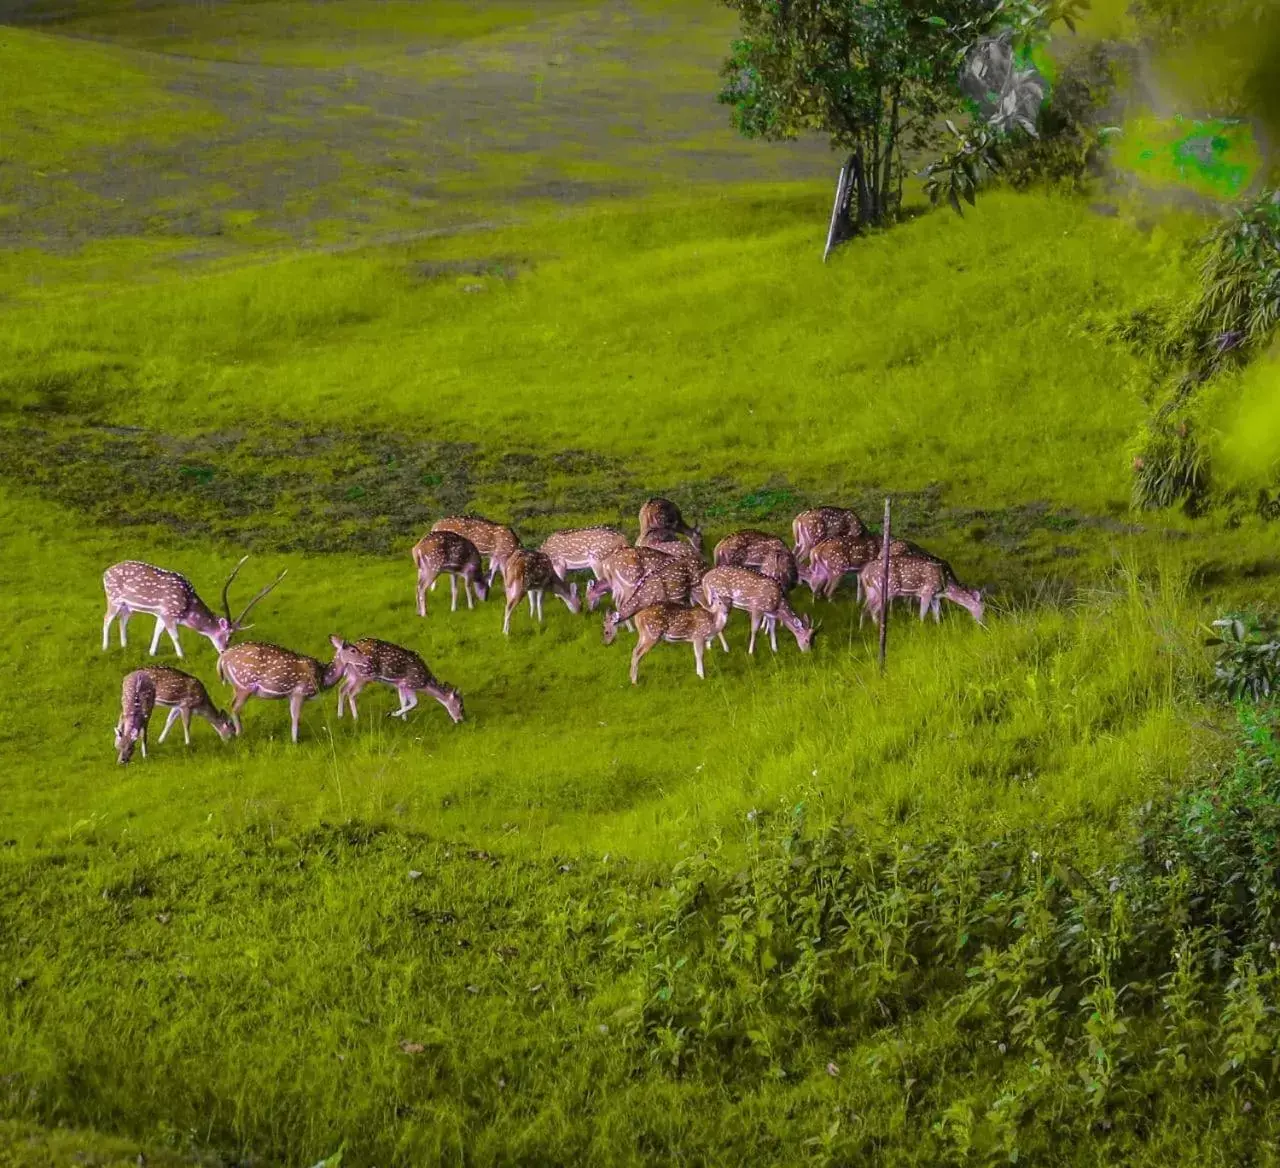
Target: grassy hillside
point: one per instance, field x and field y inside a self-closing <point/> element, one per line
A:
<point x="474" y="944"/>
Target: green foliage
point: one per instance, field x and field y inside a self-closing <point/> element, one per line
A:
<point x="1248" y="662"/>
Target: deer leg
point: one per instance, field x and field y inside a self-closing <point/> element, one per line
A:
<point x="466" y="588"/>
<point x="353" y="688"/>
<point x="453" y="592"/>
<point x="512" y="601"/>
<point x="723" y="643"/>
<point x="698" y="647"/>
<point x="237" y="704"/>
<point x="773" y="633"/>
<point x="408" y="700"/>
<point x="642" y="647"/>
<point x="113" y="611"/>
<point x="295" y="712"/>
<point x="755" y="624"/>
<point x="155" y="637"/>
<point x="186" y="725"/>
<point x="426" y="579"/>
<point x="169" y="721"/>
<point x="540" y="595"/>
<point x="142" y="738"/>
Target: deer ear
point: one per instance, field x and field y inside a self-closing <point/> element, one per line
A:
<point x="336" y="641"/>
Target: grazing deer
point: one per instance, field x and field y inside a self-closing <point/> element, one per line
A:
<point x="184" y="695"/>
<point x="492" y="540"/>
<point x="137" y="700"/>
<point x="577" y="549"/>
<point x="669" y="583"/>
<point x="929" y="579"/>
<point x="832" y="559"/>
<point x="664" y="515"/>
<point x="400" y="668"/>
<point x="677" y="622"/>
<point x="620" y="571"/>
<point x="761" y="598"/>
<point x="446" y="551"/>
<point x="665" y="539"/>
<point x="531" y="573"/>
<point x="810" y="528"/>
<point x="132" y="586"/>
<point x="766" y="554"/>
<point x="255" y="669"/>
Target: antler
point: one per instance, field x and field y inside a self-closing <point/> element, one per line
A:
<point x="226" y="603"/>
<point x="239" y="621"/>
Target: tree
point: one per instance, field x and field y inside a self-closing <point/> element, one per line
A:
<point x="877" y="76"/>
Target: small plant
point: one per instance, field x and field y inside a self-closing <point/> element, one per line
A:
<point x="1248" y="662"/>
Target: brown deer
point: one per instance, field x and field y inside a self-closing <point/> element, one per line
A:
<point x="577" y="549"/>
<point x="830" y="560"/>
<point x="764" y="553"/>
<point x="620" y="571"/>
<point x="446" y="551"/>
<point x="184" y="695"/>
<point x="929" y="579"/>
<point x="132" y="586"/>
<point x="810" y="528"/>
<point x="669" y="583"/>
<point x="256" y="669"/>
<point x="677" y="622"/>
<point x="393" y="665"/>
<point x="137" y="700"/>
<point x="760" y="597"/>
<point x="492" y="540"/>
<point x="531" y="573"/>
<point x="664" y="515"/>
<point x="665" y="539"/>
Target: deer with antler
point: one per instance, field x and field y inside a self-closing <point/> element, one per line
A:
<point x="760" y="597"/>
<point x="677" y="622"/>
<point x="257" y="669"/>
<point x="492" y="540"/>
<point x="530" y="573"/>
<point x="579" y="549"/>
<point x="664" y="515"/>
<point x="132" y="586"/>
<point x="811" y="527"/>
<point x="370" y="660"/>
<point x="670" y="583"/>
<point x="761" y="552"/>
<point x="446" y="551"/>
<point x="929" y="579"/>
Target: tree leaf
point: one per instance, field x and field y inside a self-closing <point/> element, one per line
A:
<point x="955" y="202"/>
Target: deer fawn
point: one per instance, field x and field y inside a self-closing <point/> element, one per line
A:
<point x="929" y="579"/>
<point x="665" y="539"/>
<point x="577" y="549"/>
<point x="446" y="551"/>
<point x="137" y="700"/>
<point x="832" y="559"/>
<point x="620" y="571"/>
<point x="393" y="665"/>
<point x="669" y="583"/>
<point x="677" y="622"/>
<point x="184" y="695"/>
<point x="531" y="573"/>
<point x="260" y="670"/>
<point x="132" y="586"/>
<point x="810" y="528"/>
<point x="492" y="540"/>
<point x="761" y="598"/>
<point x="764" y="553"/>
<point x="664" y="515"/>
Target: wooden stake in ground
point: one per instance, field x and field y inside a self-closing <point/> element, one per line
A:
<point x="884" y="586"/>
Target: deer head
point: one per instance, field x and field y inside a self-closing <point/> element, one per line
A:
<point x="227" y="626"/>
<point x="346" y="659"/>
<point x="452" y="702"/>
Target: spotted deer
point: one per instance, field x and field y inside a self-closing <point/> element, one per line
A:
<point x="132" y="586"/>
<point x="137" y="700"/>
<point x="531" y="573"/>
<point x="393" y="665"/>
<point x="256" y="669"/>
<point x="578" y="549"/>
<point x="830" y="560"/>
<point x="761" y="598"/>
<point x="620" y="571"/>
<point x="764" y="553"/>
<point x="446" y="551"/>
<point x="929" y="579"/>
<point x="669" y="583"/>
<point x="664" y="515"/>
<point x="183" y="696"/>
<point x="677" y="622"/>
<point x="665" y="539"/>
<point x="810" y="528"/>
<point x="492" y="540"/>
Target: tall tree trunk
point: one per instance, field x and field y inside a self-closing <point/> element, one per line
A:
<point x="860" y="178"/>
<point x="877" y="212"/>
<point x="891" y="145"/>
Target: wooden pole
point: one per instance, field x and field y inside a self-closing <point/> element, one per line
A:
<point x="835" y="214"/>
<point x="884" y="586"/>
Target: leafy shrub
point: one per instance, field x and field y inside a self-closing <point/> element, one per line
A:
<point x="1248" y="664"/>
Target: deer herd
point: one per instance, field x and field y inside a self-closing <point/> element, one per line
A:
<point x="661" y="587"/>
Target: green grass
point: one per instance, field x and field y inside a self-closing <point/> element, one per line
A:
<point x="219" y="954"/>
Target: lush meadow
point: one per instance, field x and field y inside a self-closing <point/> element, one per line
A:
<point x="795" y="911"/>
